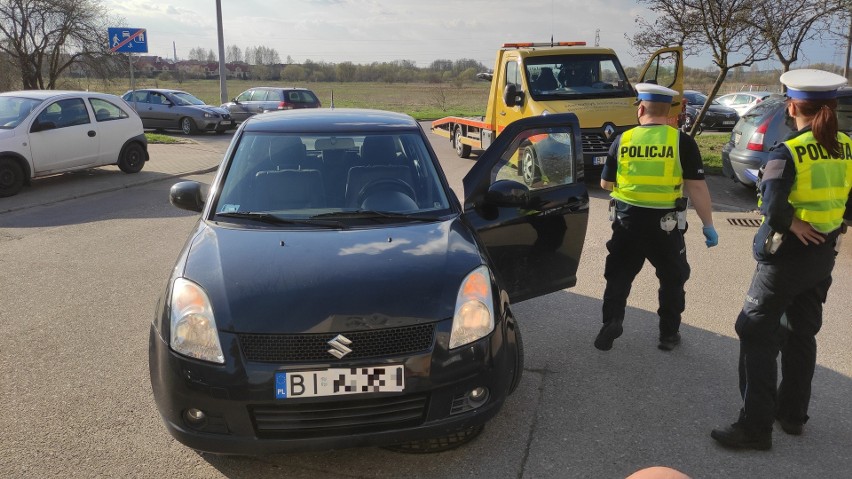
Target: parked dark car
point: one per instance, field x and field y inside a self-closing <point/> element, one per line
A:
<point x="163" y="109"/>
<point x="335" y="293"/>
<point x="718" y="116"/>
<point x="764" y="126"/>
<point x="262" y="99"/>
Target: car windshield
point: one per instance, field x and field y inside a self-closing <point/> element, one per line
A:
<point x="353" y="179"/>
<point x="13" y="110"/>
<point x="183" y="99"/>
<point x="560" y="77"/>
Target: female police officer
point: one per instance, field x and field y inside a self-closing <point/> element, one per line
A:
<point x="805" y="191"/>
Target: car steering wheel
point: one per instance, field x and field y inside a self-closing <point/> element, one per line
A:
<point x="386" y="185"/>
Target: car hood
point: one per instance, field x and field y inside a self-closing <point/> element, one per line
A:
<point x="209" y="108"/>
<point x="316" y="281"/>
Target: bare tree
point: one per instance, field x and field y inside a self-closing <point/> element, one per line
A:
<point x="786" y="26"/>
<point x="233" y="54"/>
<point x="44" y="38"/>
<point x="725" y="27"/>
<point x="198" y="54"/>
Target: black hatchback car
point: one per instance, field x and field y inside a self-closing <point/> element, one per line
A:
<point x="764" y="126"/>
<point x="335" y="293"/>
<point x="717" y="117"/>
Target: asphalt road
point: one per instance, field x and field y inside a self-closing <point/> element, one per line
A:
<point x="80" y="279"/>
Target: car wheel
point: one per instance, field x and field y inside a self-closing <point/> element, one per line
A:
<point x="188" y="126"/>
<point x="529" y="170"/>
<point x="519" y="358"/>
<point x="462" y="150"/>
<point x="11" y="177"/>
<point x="132" y="159"/>
<point x="439" y="444"/>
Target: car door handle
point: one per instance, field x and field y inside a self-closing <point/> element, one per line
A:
<point x="92" y="133"/>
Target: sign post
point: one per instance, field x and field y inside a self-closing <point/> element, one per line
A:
<point x="128" y="40"/>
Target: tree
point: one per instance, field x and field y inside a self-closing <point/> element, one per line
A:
<point x="198" y="54"/>
<point x="233" y="54"/>
<point x="726" y="27"/>
<point x="786" y="26"/>
<point x="43" y="38"/>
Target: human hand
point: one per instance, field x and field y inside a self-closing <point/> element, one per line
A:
<point x="805" y="232"/>
<point x="710" y="236"/>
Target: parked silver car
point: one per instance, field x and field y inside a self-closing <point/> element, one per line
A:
<point x="742" y="101"/>
<point x="163" y="109"/>
<point x="263" y="98"/>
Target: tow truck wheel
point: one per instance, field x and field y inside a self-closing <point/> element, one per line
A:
<point x="528" y="167"/>
<point x="462" y="150"/>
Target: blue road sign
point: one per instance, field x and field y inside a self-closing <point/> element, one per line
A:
<point x="127" y="40"/>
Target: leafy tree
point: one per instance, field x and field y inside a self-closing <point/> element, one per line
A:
<point x="43" y="38"/>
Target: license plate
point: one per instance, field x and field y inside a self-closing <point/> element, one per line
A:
<point x="728" y="122"/>
<point x="339" y="381"/>
<point x="599" y="160"/>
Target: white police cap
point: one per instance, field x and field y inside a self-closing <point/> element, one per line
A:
<point x="654" y="92"/>
<point x="810" y="84"/>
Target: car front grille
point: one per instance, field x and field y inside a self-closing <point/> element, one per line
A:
<point x="377" y="343"/>
<point x="596" y="144"/>
<point x="338" y="417"/>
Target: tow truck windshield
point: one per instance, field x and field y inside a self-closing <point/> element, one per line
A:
<point x="560" y="77"/>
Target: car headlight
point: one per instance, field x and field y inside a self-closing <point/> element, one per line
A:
<point x="193" y="331"/>
<point x="474" y="315"/>
<point x="210" y="115"/>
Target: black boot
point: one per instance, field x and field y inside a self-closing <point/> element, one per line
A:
<point x="738" y="436"/>
<point x="607" y="335"/>
<point x="667" y="343"/>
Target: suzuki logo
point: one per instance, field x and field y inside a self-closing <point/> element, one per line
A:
<point x="609" y="131"/>
<point x="339" y="346"/>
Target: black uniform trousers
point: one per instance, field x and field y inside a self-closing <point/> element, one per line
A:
<point x="631" y="244"/>
<point x="782" y="312"/>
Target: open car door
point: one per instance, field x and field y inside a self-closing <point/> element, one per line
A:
<point x="526" y="198"/>
<point x="665" y="68"/>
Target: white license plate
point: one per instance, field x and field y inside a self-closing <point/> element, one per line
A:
<point x="728" y="122"/>
<point x="599" y="160"/>
<point x="339" y="381"/>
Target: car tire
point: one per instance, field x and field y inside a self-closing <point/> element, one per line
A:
<point x="462" y="150"/>
<point x="529" y="168"/>
<point x="519" y="358"/>
<point x="132" y="158"/>
<point x="439" y="444"/>
<point x="11" y="177"/>
<point x="187" y="126"/>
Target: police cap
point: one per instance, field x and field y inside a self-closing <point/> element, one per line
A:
<point x="810" y="84"/>
<point x="654" y="92"/>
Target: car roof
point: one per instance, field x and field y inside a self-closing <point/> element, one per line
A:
<point x="45" y="94"/>
<point x="278" y="88"/>
<point x="331" y="120"/>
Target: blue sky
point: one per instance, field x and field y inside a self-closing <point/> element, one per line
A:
<point x="363" y="31"/>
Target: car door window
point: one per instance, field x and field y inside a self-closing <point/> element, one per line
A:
<point x="742" y="100"/>
<point x="258" y="95"/>
<point x="106" y="111"/>
<point x="159" y="99"/>
<point x="538" y="158"/>
<point x="139" y="97"/>
<point x="65" y="113"/>
<point x="245" y="96"/>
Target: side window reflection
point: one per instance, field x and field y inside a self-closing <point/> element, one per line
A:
<point x="540" y="158"/>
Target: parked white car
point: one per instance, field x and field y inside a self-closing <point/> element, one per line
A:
<point x="44" y="132"/>
<point x="743" y="101"/>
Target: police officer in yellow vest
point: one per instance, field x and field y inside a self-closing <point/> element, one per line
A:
<point x="648" y="169"/>
<point x="805" y="202"/>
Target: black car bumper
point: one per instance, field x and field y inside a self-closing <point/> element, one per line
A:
<point x="242" y="415"/>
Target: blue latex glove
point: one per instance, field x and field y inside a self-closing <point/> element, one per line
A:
<point x="712" y="238"/>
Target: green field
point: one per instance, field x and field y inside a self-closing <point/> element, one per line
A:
<point x="423" y="101"/>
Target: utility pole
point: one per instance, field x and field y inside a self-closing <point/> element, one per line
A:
<point x="223" y="87"/>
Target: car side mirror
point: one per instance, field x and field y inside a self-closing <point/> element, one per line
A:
<point x="187" y="195"/>
<point x="508" y="193"/>
<point x="511" y="95"/>
<point x="236" y="101"/>
<point x="42" y="126"/>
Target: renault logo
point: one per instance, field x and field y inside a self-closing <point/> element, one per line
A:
<point x="339" y="346"/>
<point x="609" y="131"/>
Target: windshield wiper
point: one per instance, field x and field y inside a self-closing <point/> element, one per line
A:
<point x="277" y="220"/>
<point x="373" y="214"/>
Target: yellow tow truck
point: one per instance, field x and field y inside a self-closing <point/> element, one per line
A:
<point x="532" y="79"/>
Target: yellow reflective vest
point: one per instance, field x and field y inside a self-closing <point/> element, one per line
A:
<point x="822" y="184"/>
<point x="649" y="173"/>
